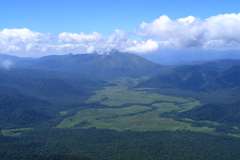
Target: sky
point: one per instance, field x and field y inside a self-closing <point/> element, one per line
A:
<point x="34" y="28"/>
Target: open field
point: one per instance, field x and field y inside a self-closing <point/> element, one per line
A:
<point x="13" y="132"/>
<point x="141" y="114"/>
<point x="92" y="114"/>
<point x="118" y="95"/>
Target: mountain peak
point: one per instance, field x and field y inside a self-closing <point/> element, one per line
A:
<point x="109" y="65"/>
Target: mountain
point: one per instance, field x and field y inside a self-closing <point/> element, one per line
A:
<point x="229" y="77"/>
<point x="185" y="78"/>
<point x="187" y="56"/>
<point x="222" y="63"/>
<point x="30" y="97"/>
<point x="53" y="86"/>
<point x="196" y="78"/>
<point x="12" y="58"/>
<point x="110" y="65"/>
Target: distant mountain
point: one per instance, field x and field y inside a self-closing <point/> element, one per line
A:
<point x="12" y="58"/>
<point x="188" y="56"/>
<point x="195" y="78"/>
<point x="111" y="65"/>
<point x="8" y="61"/>
<point x="220" y="64"/>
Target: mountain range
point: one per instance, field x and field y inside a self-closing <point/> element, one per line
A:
<point x="58" y="80"/>
<point x="110" y="65"/>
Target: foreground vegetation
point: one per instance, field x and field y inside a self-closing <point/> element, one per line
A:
<point x="92" y="143"/>
<point x="110" y="125"/>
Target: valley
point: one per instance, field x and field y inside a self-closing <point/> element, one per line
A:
<point x="132" y="109"/>
<point x="112" y="107"/>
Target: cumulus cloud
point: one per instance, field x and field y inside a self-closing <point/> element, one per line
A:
<point x="193" y="32"/>
<point x="143" y="47"/>
<point x="79" y="38"/>
<point x="118" y="36"/>
<point x="90" y="49"/>
<point x="15" y="40"/>
<point x="220" y="31"/>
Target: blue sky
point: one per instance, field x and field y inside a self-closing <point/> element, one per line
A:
<point x="36" y="28"/>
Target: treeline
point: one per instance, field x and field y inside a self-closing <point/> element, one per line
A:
<point x="110" y="144"/>
<point x="227" y="114"/>
<point x="219" y="112"/>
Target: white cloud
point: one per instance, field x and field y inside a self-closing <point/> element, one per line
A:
<point x="90" y="49"/>
<point x="194" y="32"/>
<point x="15" y="40"/>
<point x="117" y="36"/>
<point x="143" y="47"/>
<point x="188" y="20"/>
<point x="220" y="31"/>
<point x="79" y="38"/>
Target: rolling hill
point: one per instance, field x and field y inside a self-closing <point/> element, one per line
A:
<point x="18" y="109"/>
<point x="196" y="78"/>
<point x="51" y="86"/>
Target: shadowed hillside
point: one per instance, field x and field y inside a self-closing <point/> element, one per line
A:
<point x="195" y="78"/>
<point x="17" y="109"/>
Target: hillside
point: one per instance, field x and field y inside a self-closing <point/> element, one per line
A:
<point x="17" y="109"/>
<point x="29" y="97"/>
<point x="221" y="64"/>
<point x="195" y="78"/>
<point x="55" y="87"/>
<point x="222" y="113"/>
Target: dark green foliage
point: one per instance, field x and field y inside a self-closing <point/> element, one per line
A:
<point x="193" y="78"/>
<point x="222" y="113"/>
<point x="198" y="82"/>
<point x="229" y="77"/>
<point x="19" y="110"/>
<point x="109" y="144"/>
<point x="33" y="97"/>
<point x="227" y="114"/>
<point x="56" y="88"/>
<point x="41" y="86"/>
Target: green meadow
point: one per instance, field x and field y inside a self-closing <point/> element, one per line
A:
<point x="13" y="132"/>
<point x="141" y="115"/>
<point x="118" y="95"/>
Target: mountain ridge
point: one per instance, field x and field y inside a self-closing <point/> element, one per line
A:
<point x="112" y="65"/>
<point x="195" y="78"/>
